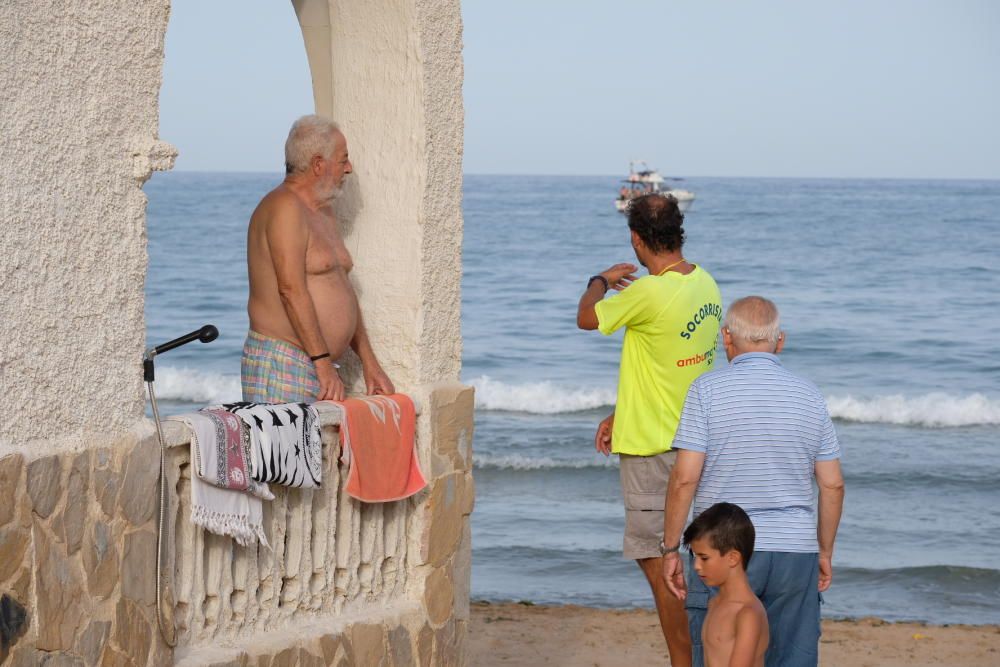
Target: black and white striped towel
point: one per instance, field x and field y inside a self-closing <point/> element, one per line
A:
<point x="285" y="443"/>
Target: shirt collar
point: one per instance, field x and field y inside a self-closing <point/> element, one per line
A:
<point x="756" y="357"/>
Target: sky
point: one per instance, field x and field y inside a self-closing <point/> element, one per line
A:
<point x="843" y="89"/>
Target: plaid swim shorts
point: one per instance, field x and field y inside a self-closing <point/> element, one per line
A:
<point x="275" y="371"/>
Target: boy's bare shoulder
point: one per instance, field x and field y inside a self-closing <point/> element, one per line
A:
<point x="750" y="610"/>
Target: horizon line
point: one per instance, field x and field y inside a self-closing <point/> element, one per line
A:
<point x="618" y="176"/>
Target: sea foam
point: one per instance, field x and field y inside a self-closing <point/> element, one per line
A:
<point x="195" y="386"/>
<point x="522" y="462"/>
<point x="543" y="398"/>
<point x="934" y="410"/>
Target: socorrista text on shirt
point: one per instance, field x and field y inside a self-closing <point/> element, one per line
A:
<point x="671" y="331"/>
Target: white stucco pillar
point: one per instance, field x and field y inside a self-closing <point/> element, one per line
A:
<point x="390" y="72"/>
<point x="79" y="88"/>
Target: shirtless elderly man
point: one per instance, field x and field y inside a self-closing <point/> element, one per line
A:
<point x="303" y="310"/>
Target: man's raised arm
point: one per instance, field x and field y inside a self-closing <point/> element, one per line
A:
<point x="618" y="277"/>
<point x="287" y="238"/>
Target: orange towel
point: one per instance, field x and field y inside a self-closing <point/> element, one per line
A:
<point x="377" y="441"/>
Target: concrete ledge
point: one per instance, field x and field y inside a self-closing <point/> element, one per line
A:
<point x="344" y="639"/>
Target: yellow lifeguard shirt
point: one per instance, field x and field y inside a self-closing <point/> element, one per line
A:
<point x="671" y="330"/>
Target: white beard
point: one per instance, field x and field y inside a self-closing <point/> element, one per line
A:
<point x="329" y="194"/>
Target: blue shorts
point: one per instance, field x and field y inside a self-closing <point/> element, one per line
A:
<point x="788" y="585"/>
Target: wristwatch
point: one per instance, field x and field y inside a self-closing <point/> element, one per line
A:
<point x="664" y="549"/>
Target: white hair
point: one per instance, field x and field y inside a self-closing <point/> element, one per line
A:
<point x="753" y="319"/>
<point x="310" y="136"/>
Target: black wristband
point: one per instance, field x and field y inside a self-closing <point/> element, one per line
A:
<point x="602" y="279"/>
<point x="325" y="355"/>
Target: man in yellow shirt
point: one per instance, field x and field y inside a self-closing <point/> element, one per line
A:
<point x="671" y="319"/>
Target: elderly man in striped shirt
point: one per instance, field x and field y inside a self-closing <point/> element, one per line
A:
<point x="756" y="435"/>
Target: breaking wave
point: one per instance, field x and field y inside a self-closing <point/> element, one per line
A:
<point x="194" y="386"/>
<point x="542" y="398"/>
<point x="937" y="410"/>
<point x="521" y="462"/>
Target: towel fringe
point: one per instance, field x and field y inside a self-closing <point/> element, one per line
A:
<point x="236" y="527"/>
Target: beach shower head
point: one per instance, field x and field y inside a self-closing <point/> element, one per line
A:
<point x="206" y="334"/>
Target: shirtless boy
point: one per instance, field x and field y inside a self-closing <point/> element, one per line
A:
<point x="303" y="311"/>
<point x="735" y="633"/>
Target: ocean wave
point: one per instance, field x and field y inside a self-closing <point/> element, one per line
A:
<point x="522" y="462"/>
<point x="190" y="385"/>
<point x="542" y="398"/>
<point x="936" y="410"/>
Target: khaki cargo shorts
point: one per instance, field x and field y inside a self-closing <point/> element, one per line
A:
<point x="644" y="488"/>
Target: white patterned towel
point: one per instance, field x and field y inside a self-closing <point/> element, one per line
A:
<point x="219" y="510"/>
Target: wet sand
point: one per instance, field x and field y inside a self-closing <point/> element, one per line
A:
<point x="518" y="634"/>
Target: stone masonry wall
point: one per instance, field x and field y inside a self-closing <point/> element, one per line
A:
<point x="78" y="555"/>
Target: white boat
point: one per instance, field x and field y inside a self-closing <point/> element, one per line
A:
<point x="643" y="181"/>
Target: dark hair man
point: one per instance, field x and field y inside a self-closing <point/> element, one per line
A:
<point x="756" y="435"/>
<point x="671" y="320"/>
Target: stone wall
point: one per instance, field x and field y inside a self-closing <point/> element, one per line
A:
<point x="78" y="555"/>
<point x="345" y="583"/>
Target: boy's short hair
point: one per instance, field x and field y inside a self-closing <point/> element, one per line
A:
<point x="727" y="528"/>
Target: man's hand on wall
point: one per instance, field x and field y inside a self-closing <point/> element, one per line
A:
<point x="331" y="387"/>
<point x="377" y="382"/>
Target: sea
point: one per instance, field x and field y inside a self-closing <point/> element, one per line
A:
<point x="889" y="294"/>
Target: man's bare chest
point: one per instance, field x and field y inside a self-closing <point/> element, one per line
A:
<point x="325" y="251"/>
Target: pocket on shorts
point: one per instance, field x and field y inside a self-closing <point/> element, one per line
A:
<point x="644" y="477"/>
<point x="696" y="600"/>
<point x="644" y="502"/>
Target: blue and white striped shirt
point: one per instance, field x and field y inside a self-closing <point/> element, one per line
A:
<point x="762" y="429"/>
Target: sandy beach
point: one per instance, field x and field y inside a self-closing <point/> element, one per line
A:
<point x="519" y="634"/>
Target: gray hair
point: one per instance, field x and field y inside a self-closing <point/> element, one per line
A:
<point x="753" y="319"/>
<point x="310" y="136"/>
